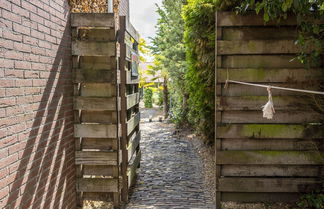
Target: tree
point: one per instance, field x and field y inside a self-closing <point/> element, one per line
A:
<point x="169" y="51"/>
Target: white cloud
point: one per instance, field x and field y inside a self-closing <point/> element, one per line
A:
<point x="144" y="17"/>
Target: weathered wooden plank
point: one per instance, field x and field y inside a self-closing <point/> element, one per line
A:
<point x="289" y="103"/>
<point x="103" y="117"/>
<point x="98" y="196"/>
<point x="133" y="144"/>
<point x="95" y="130"/>
<point x="132" y="123"/>
<point x="92" y="20"/>
<point x="262" y="75"/>
<point x="272" y="144"/>
<point x="251" y="19"/>
<point x="91" y="48"/>
<point x="93" y="34"/>
<point x="259" y="33"/>
<point x="281" y="116"/>
<point x="132" y="100"/>
<point x="98" y="63"/>
<point x="97" y="185"/>
<point x="94" y="76"/>
<point x="241" y="90"/>
<point x="130" y="79"/>
<point x="260" y="61"/>
<point x="270" y="170"/>
<point x="257" y="47"/>
<point x="278" y="131"/>
<point x="232" y="184"/>
<point x="270" y="157"/>
<point x="101" y="170"/>
<point x="95" y="103"/>
<point x="131" y="173"/>
<point x="248" y="197"/>
<point x="95" y="158"/>
<point x="99" y="144"/>
<point x="98" y="90"/>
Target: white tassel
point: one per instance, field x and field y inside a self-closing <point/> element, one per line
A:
<point x="268" y="109"/>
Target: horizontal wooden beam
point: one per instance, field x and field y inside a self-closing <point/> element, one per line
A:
<point x="94" y="76"/>
<point x="272" y="144"/>
<point x="257" y="33"/>
<point x="98" y="90"/>
<point x="267" y="197"/>
<point x="95" y="34"/>
<point x="93" y="48"/>
<point x="275" y="131"/>
<point x="133" y="144"/>
<point x="233" y="184"/>
<point x="102" y="117"/>
<point x="257" y="47"/>
<point x="259" y="61"/>
<point x="270" y="170"/>
<point x="95" y="158"/>
<point x="251" y="19"/>
<point x="131" y="173"/>
<point x="95" y="103"/>
<point x="96" y="63"/>
<point x="100" y="170"/>
<point x="97" y="185"/>
<point x="99" y="144"/>
<point x="132" y="123"/>
<point x="282" y="115"/>
<point x="92" y="20"/>
<point x="262" y="75"/>
<point x="95" y="131"/>
<point x="269" y="157"/>
<point x="132" y="100"/>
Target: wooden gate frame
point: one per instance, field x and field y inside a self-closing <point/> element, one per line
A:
<point x="106" y="107"/>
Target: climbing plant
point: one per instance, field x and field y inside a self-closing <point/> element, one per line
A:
<point x="199" y="36"/>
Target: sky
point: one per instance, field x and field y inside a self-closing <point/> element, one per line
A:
<point x="143" y="16"/>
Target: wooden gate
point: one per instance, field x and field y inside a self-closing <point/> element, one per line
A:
<point x="105" y="106"/>
<point x="258" y="159"/>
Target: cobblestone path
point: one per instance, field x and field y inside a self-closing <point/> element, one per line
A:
<point x="171" y="172"/>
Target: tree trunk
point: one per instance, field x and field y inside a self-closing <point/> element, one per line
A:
<point x="165" y="98"/>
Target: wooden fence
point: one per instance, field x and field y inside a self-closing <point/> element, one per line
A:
<point x="258" y="159"/>
<point x="106" y="107"/>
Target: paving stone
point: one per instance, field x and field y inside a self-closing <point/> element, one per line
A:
<point x="171" y="171"/>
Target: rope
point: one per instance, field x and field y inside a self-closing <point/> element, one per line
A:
<point x="273" y="87"/>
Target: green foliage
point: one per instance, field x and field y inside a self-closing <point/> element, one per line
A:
<point x="169" y="53"/>
<point x="199" y="36"/>
<point x="148" y="100"/>
<point x="313" y="200"/>
<point x="308" y="12"/>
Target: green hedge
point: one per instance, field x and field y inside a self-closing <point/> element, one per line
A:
<point x="148" y="100"/>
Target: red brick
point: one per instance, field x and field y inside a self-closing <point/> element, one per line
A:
<point x="37" y="34"/>
<point x="44" y="44"/>
<point x="22" y="65"/>
<point x="43" y="13"/>
<point x="5" y="5"/>
<point x="28" y="6"/>
<point x="38" y="66"/>
<point x="4" y="192"/>
<point x="7" y="161"/>
<point x="11" y="16"/>
<point x="6" y="43"/>
<point x="14" y="92"/>
<point x="12" y="36"/>
<point x="2" y="113"/>
<point x="14" y="73"/>
<point x="31" y="74"/>
<point x="22" y="47"/>
<point x="7" y="63"/>
<point x="39" y="82"/>
<point x="21" y="29"/>
<point x="43" y="28"/>
<point x="12" y="54"/>
<point x="24" y="83"/>
<point x="20" y="11"/>
<point x="30" y="40"/>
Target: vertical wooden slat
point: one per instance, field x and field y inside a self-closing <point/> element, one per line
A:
<point x="123" y="115"/>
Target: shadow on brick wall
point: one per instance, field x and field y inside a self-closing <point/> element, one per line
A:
<point x="45" y="176"/>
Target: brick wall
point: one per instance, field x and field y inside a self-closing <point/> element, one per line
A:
<point x="36" y="118"/>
